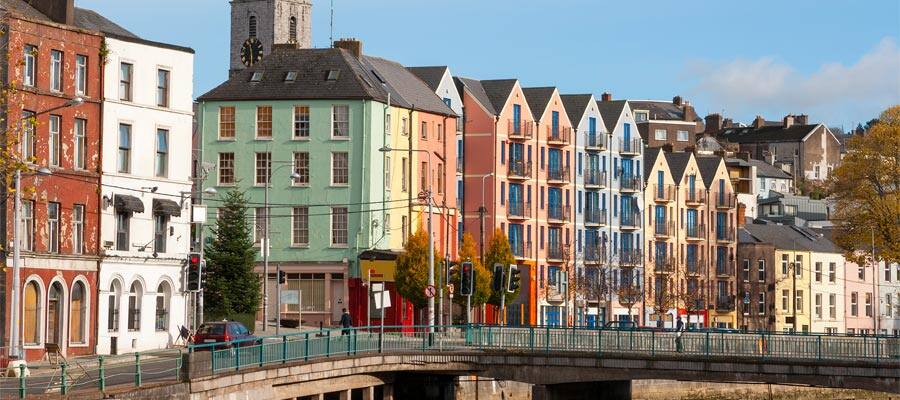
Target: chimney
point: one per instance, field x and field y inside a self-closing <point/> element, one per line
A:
<point x="788" y="121"/>
<point x="744" y="155"/>
<point x="727" y="123"/>
<point x="667" y="147"/>
<point x="801" y="119"/>
<point x="352" y="45"/>
<point x="677" y="101"/>
<point x="713" y="123"/>
<point x="759" y="122"/>
<point x="741" y="214"/>
<point x="689" y="114"/>
<point x="606" y="96"/>
<point x="59" y="11"/>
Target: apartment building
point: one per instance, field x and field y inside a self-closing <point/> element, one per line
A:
<point x="756" y="283"/>
<point x="674" y="123"/>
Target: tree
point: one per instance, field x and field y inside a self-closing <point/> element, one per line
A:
<point x="866" y="192"/>
<point x="662" y="299"/>
<point x="694" y="299"/>
<point x="412" y="269"/>
<point x="499" y="252"/>
<point x="231" y="285"/>
<point x="469" y="252"/>
<point x="628" y="295"/>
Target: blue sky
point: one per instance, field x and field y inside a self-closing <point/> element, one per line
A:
<point x="838" y="61"/>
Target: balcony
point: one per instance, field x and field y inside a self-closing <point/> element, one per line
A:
<point x="596" y="141"/>
<point x="693" y="198"/>
<point x="558" y="213"/>
<point x="594" y="255"/>
<point x="594" y="216"/>
<point x="594" y="178"/>
<point x="664" y="229"/>
<point x="695" y="266"/>
<point x="560" y="136"/>
<point x="664" y="193"/>
<point x="630" y="183"/>
<point x="725" y="303"/>
<point x="725" y="234"/>
<point x="630" y="148"/>
<point x="556" y="252"/>
<point x="520" y="249"/>
<point x="664" y="264"/>
<point x="725" y="200"/>
<point x="558" y="174"/>
<point x="632" y="221"/>
<point x="554" y="293"/>
<point x="520" y="130"/>
<point x="518" y="210"/>
<point x="695" y="232"/>
<point x="724" y="268"/>
<point x="518" y="169"/>
<point x="630" y="257"/>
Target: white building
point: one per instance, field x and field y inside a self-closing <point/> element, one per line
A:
<point x="771" y="179"/>
<point x="145" y="220"/>
<point x="889" y="294"/>
<point x="827" y="288"/>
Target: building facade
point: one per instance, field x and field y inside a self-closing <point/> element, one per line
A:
<point x="721" y="205"/>
<point x="756" y="283"/>
<point x="674" y="123"/>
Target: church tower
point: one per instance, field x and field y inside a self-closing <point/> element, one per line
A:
<point x="257" y="25"/>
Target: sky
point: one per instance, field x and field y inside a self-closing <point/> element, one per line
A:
<point x="837" y="61"/>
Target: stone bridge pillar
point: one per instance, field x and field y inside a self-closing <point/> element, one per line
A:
<point x="606" y="390"/>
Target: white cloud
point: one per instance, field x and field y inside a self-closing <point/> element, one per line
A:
<point x="835" y="93"/>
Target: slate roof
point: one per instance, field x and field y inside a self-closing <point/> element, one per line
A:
<point x="610" y="112"/>
<point x="786" y="237"/>
<point x="412" y="89"/>
<point x="766" y="170"/>
<point x="576" y="105"/>
<point x="498" y="91"/>
<point x="430" y="75"/>
<point x="708" y="165"/>
<point x="23" y="9"/>
<point x="658" y="109"/>
<point x="650" y="155"/>
<point x="538" y="98"/>
<point x="778" y="133"/>
<point x="678" y="161"/>
<point x="93" y="21"/>
<point x="477" y="91"/>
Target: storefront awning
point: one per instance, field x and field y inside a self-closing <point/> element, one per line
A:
<point x="166" y="207"/>
<point x="129" y="204"/>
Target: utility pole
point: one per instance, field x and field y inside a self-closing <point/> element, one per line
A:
<point x="481" y="212"/>
<point x="794" y="290"/>
<point x="876" y="300"/>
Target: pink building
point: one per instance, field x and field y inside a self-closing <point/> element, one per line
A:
<point x="859" y="292"/>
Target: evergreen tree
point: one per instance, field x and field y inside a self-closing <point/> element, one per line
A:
<point x="231" y="285"/>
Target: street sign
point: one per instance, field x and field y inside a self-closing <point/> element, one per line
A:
<point x="290" y="297"/>
<point x="383" y="298"/>
<point x="377" y="287"/>
<point x="450" y="288"/>
<point x="429" y="291"/>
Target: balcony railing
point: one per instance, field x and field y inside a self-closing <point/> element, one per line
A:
<point x="518" y="210"/>
<point x="664" y="264"/>
<point x="630" y="257"/>
<point x="695" y="232"/>
<point x="631" y="147"/>
<point x="520" y="249"/>
<point x="664" y="193"/>
<point x="725" y="200"/>
<point x="519" y="169"/>
<point x="558" y="174"/>
<point x="558" y="213"/>
<point x="560" y="136"/>
<point x="694" y="197"/>
<point x="595" y="141"/>
<point x="664" y="229"/>
<point x="630" y="183"/>
<point x="695" y="266"/>
<point x="520" y="130"/>
<point x="725" y="233"/>
<point x="594" y="254"/>
<point x="595" y="216"/>
<point x="594" y="177"/>
<point x="725" y="303"/>
<point x="724" y="268"/>
<point x="555" y="252"/>
<point x="632" y="221"/>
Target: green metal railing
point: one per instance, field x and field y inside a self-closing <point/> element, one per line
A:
<point x="259" y="352"/>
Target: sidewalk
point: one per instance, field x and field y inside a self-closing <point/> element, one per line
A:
<point x="92" y="362"/>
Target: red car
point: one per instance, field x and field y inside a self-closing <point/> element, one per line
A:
<point x="224" y="332"/>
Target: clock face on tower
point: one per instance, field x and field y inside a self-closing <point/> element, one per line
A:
<point x="251" y="51"/>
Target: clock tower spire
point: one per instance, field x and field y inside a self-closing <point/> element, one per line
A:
<point x="257" y="25"/>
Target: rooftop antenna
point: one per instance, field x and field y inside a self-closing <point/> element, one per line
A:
<point x="331" y="37"/>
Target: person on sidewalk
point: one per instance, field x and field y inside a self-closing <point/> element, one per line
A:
<point x="346" y="322"/>
<point x="679" y="329"/>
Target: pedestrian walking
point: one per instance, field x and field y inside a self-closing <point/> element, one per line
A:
<point x="346" y="322"/>
<point x="679" y="329"/>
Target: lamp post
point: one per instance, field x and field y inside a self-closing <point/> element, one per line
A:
<point x="198" y="302"/>
<point x="16" y="344"/>
<point x="481" y="211"/>
<point x="428" y="198"/>
<point x="265" y="242"/>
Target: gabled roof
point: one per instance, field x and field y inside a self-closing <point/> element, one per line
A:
<point x="678" y="162"/>
<point x="412" y="89"/>
<point x="498" y="91"/>
<point x="766" y="170"/>
<point x="538" y="98"/>
<point x="650" y="156"/>
<point x="610" y="111"/>
<point x="708" y="166"/>
<point x="477" y="91"/>
<point x="430" y="75"/>
<point x="791" y="238"/>
<point x="794" y="133"/>
<point x="576" y="105"/>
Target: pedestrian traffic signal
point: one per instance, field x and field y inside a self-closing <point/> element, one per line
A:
<point x="497" y="282"/>
<point x="282" y="277"/>
<point x="195" y="271"/>
<point x="467" y="279"/>
<point x="513" y="278"/>
<point x="450" y="268"/>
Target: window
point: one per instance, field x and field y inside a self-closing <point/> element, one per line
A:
<point x="887" y="272"/>
<point x="56" y="62"/>
<point x="784" y="264"/>
<point x="403" y="175"/>
<point x="861" y="272"/>
<point x="340" y="121"/>
<point x="124" y="165"/>
<point x="81" y="74"/>
<point x="424" y="131"/>
<point x="30" y="65"/>
<point x="312" y="291"/>
<point x="818" y="271"/>
<point x="403" y="229"/>
<point x="31" y="316"/>
<point x="404" y="126"/>
<point x="77" y="229"/>
<point x="300" y="227"/>
<point x="252" y="26"/>
<point x="659" y="134"/>
<point x="798" y="266"/>
<point x="112" y="317"/>
<point x="292" y="30"/>
<point x="77" y="314"/>
<point x="682" y="136"/>
<point x="799" y="304"/>
<point x="832" y="272"/>
<point x="301" y="122"/>
<point x="868" y="304"/>
<point x="290" y="76"/>
<point x="387" y="172"/>
<point x="160" y="228"/>
<point x="340" y="169"/>
<point x="264" y="122"/>
<point x="761" y="270"/>
<point x="785" y="294"/>
<point x="162" y="307"/>
<point x="226" y="122"/>
<point x="125" y="71"/>
<point x="641" y="116"/>
<point x="889" y="310"/>
<point x="27" y="227"/>
<point x="854" y="304"/>
<point x="263" y="168"/>
<point x="745" y="273"/>
<point x="162" y="153"/>
<point x="423" y="177"/>
<point x="27" y="145"/>
<point x="53" y="147"/>
<point x="53" y="227"/>
<point x="162" y="88"/>
<point x="80" y="154"/>
<point x="339" y="226"/>
<point x="761" y="305"/>
<point x="260" y="221"/>
<point x="134" y="306"/>
<point x="440" y="178"/>
<point x="832" y="306"/>
<point x="226" y="168"/>
<point x="301" y="168"/>
<point x="123" y="220"/>
<point x="819" y="305"/>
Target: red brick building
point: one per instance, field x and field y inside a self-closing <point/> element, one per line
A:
<point x="51" y="62"/>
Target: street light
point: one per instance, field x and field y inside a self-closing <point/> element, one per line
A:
<point x="481" y="211"/>
<point x="387" y="149"/>
<point x="266" y="247"/>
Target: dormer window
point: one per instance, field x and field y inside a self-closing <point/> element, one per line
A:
<point x="333" y="75"/>
<point x="290" y="76"/>
<point x="641" y="116"/>
<point x="256" y="77"/>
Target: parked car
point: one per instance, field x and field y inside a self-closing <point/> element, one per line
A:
<point x="224" y="332"/>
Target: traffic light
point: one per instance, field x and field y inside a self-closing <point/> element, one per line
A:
<point x="497" y="282"/>
<point x="282" y="277"/>
<point x="451" y="266"/>
<point x="195" y="271"/>
<point x="466" y="279"/>
<point x="513" y="279"/>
